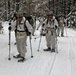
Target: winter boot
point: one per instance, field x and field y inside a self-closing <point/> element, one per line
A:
<point x="62" y="35"/>
<point x="53" y="50"/>
<point x="48" y="49"/>
<point x="17" y="56"/>
<point x="22" y="59"/>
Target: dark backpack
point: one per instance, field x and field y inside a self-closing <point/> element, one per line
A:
<point x="26" y="29"/>
<point x="30" y="19"/>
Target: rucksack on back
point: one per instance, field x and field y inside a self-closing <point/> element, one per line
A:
<point x="30" y="19"/>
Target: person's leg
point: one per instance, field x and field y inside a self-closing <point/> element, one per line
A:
<point x="23" y="49"/>
<point x="62" y="31"/>
<point x="48" y="41"/>
<point x="23" y="46"/>
<point x="53" y="41"/>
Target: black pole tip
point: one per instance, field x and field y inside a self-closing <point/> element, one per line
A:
<point x="31" y="56"/>
<point x="38" y="50"/>
<point x="9" y="58"/>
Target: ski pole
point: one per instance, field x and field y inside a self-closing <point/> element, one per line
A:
<point x="9" y="58"/>
<point x="66" y="32"/>
<point x="56" y="42"/>
<point x="39" y="43"/>
<point x="56" y="45"/>
<point x="31" y="46"/>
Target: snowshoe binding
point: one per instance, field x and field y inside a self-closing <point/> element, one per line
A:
<point x="17" y="56"/>
<point x="22" y="59"/>
<point x="53" y="50"/>
<point x="48" y="49"/>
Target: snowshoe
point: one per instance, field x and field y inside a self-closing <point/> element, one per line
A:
<point x="22" y="59"/>
<point x="53" y="50"/>
<point x="48" y="49"/>
<point x="17" y="56"/>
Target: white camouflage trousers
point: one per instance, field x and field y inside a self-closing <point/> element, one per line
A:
<point x="21" y="45"/>
<point x="61" y="30"/>
<point x="51" y="39"/>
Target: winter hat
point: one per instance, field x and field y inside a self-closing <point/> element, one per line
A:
<point x="50" y="13"/>
<point x="19" y="14"/>
<point x="61" y="15"/>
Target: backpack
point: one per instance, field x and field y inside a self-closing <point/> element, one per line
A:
<point x="26" y="29"/>
<point x="30" y="19"/>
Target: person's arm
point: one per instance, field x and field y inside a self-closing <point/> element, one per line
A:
<point x="13" y="25"/>
<point x="56" y="24"/>
<point x="30" y="28"/>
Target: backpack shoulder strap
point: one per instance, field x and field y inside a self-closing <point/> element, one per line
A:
<point x="47" y="21"/>
<point x="25" y="27"/>
<point x="24" y="24"/>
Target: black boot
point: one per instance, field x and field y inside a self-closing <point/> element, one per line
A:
<point x="62" y="35"/>
<point x="48" y="49"/>
<point x="22" y="59"/>
<point x="17" y="56"/>
<point x="53" y="50"/>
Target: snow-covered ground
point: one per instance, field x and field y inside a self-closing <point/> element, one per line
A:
<point x="43" y="63"/>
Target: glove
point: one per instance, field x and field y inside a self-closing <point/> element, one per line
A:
<point x="42" y="29"/>
<point x="64" y="23"/>
<point x="1" y="26"/>
<point x="37" y="28"/>
<point x="56" y="27"/>
<point x="9" y="23"/>
<point x="43" y="25"/>
<point x="29" y="33"/>
<point x="9" y="28"/>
